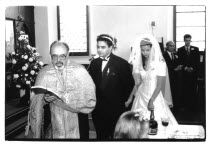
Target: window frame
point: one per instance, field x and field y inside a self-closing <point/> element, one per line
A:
<point x="175" y="26"/>
<point x="87" y="31"/>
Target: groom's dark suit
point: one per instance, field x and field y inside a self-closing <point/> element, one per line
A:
<point x="171" y="64"/>
<point x="113" y="87"/>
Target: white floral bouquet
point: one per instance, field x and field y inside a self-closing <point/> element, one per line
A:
<point x="25" y="64"/>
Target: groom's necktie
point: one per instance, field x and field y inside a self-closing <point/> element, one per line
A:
<point x="172" y="56"/>
<point x="188" y="50"/>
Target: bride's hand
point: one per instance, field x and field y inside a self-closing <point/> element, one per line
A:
<point x="127" y="103"/>
<point x="150" y="105"/>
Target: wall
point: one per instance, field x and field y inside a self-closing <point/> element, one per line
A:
<point x="27" y="12"/>
<point x="46" y="29"/>
<point x="123" y="22"/>
<point x="127" y="22"/>
<point x="47" y="32"/>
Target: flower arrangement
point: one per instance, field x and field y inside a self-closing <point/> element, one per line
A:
<point x="25" y="64"/>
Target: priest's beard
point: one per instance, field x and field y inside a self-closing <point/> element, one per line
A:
<point x="59" y="66"/>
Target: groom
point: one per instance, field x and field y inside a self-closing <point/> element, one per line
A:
<point x="114" y="82"/>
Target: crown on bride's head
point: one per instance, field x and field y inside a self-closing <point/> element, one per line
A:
<point x="145" y="41"/>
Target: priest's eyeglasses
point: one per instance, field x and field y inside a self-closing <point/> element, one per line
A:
<point x="61" y="57"/>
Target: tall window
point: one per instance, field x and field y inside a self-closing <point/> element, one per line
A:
<point x="72" y="28"/>
<point x="191" y="20"/>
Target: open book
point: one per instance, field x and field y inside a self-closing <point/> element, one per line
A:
<point x="44" y="90"/>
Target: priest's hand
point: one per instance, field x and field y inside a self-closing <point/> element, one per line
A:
<point x="49" y="98"/>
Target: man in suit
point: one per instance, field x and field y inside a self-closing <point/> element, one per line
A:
<point x="174" y="71"/>
<point x="190" y="59"/>
<point x="114" y="82"/>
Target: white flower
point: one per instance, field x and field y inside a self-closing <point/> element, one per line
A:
<point x="26" y="65"/>
<point x="20" y="38"/>
<point x="26" y="57"/>
<point x="24" y="68"/>
<point x="13" y="53"/>
<point x="41" y="63"/>
<point x="28" y="82"/>
<point x="22" y="56"/>
<point x="18" y="86"/>
<point x="15" y="76"/>
<point x="35" y="67"/>
<point x="95" y="56"/>
<point x="14" y="61"/>
<point x="26" y="41"/>
<point x="28" y="46"/>
<point x="33" y="48"/>
<point x="30" y="59"/>
<point x="26" y="75"/>
<point x="37" y="54"/>
<point x="32" y="72"/>
<point x="107" y="71"/>
<point x="22" y="32"/>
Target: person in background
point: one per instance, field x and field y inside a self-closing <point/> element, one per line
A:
<point x="189" y="58"/>
<point x="77" y="95"/>
<point x="174" y="71"/>
<point x="131" y="126"/>
<point x="114" y="82"/>
<point x="152" y="87"/>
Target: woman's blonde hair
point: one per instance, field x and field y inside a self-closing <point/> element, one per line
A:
<point x="129" y="126"/>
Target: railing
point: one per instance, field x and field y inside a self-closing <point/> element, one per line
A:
<point x="15" y="124"/>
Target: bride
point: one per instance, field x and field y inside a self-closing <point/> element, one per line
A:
<point x="152" y="88"/>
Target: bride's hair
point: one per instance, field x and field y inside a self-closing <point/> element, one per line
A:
<point x="110" y="41"/>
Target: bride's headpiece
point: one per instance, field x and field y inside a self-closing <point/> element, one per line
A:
<point x="145" y="41"/>
<point x="136" y="57"/>
<point x="140" y="115"/>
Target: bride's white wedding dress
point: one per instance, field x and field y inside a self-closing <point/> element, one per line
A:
<point x="148" y="80"/>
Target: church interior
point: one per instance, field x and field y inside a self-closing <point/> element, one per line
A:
<point x="79" y="26"/>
